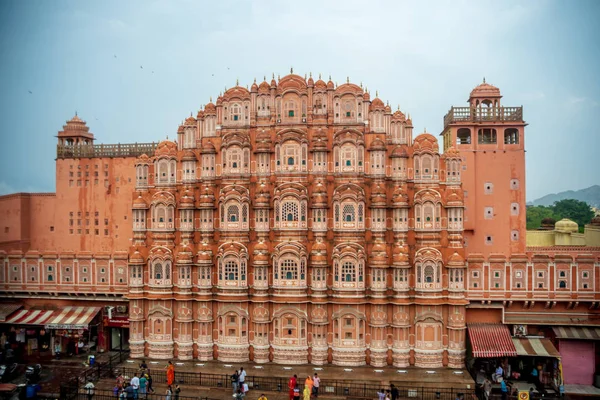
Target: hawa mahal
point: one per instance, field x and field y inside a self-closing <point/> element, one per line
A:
<point x="298" y="222"/>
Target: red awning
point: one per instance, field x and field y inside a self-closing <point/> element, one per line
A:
<point x="29" y="317"/>
<point x="72" y="318"/>
<point x="7" y="309"/>
<point x="491" y="340"/>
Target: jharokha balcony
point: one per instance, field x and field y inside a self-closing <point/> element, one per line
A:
<point x="105" y="150"/>
<point x="483" y="114"/>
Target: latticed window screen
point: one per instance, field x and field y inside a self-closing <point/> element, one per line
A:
<point x="348" y="213"/>
<point x="231" y="271"/>
<point x="429" y="274"/>
<point x="289" y="211"/>
<point x="348" y="272"/>
<point x="158" y="271"/>
<point x="167" y="271"/>
<point x="289" y="269"/>
<point x="233" y="213"/>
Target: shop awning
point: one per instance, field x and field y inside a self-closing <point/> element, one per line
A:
<point x="72" y="318"/>
<point x="7" y="309"/>
<point x="491" y="340"/>
<point x="576" y="332"/>
<point x="29" y="317"/>
<point x="535" y="347"/>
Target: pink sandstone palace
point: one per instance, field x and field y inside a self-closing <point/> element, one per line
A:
<point x="296" y="222"/>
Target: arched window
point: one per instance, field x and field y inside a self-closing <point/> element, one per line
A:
<point x="511" y="136"/>
<point x="289" y="270"/>
<point x="158" y="271"/>
<point x="289" y="109"/>
<point x="291" y="156"/>
<point x="232" y="271"/>
<point x="233" y="213"/>
<point x="162" y="218"/>
<point x="428" y="275"/>
<point x="463" y="136"/>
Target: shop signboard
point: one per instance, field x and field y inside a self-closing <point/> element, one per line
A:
<point x="117" y="322"/>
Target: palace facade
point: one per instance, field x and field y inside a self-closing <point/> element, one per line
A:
<point x="299" y="222"/>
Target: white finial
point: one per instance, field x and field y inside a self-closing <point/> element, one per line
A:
<point x="347" y="79"/>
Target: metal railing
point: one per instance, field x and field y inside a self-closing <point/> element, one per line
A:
<point x="483" y="114"/>
<point x="105" y="150"/>
<point x="327" y="387"/>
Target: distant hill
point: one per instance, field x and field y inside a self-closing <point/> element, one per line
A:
<point x="590" y="195"/>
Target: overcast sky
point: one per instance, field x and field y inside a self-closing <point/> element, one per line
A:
<point x="425" y="56"/>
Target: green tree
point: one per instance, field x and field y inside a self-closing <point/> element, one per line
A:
<point x="535" y="215"/>
<point x="578" y="211"/>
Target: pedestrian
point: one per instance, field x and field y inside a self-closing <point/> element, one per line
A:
<point x="122" y="394"/>
<point x="143" y="386"/>
<point x="177" y="391"/>
<point x="129" y="393"/>
<point x="170" y="373"/>
<point x="149" y="389"/>
<point x="296" y="392"/>
<point x="309" y="382"/>
<point x="388" y="395"/>
<point x="316" y="384"/>
<point x="235" y="381"/>
<point x="262" y="397"/>
<point x="487" y="388"/>
<point x="242" y="379"/>
<point x="291" y="386"/>
<point x="168" y="393"/>
<point x="143" y="365"/>
<point x="89" y="389"/>
<point x="503" y="389"/>
<point x="306" y="393"/>
<point x="394" y="391"/>
<point x="135" y="384"/>
<point x="120" y="381"/>
<point x="381" y="394"/>
<point x="31" y="390"/>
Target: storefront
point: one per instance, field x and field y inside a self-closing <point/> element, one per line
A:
<point x="118" y="332"/>
<point x="74" y="330"/>
<point x="578" y="348"/>
<point x="522" y="359"/>
<point x="26" y="334"/>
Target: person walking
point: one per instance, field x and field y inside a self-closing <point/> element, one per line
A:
<point x="242" y="379"/>
<point x="168" y="393"/>
<point x="306" y="392"/>
<point x="170" y="373"/>
<point x="394" y="391"/>
<point x="503" y="389"/>
<point x="316" y="384"/>
<point x="381" y="394"/>
<point x="291" y="386"/>
<point x="262" y="397"/>
<point x="89" y="389"/>
<point x="388" y="395"/>
<point x="135" y="384"/>
<point x="129" y="394"/>
<point x="149" y="389"/>
<point x="235" y="381"/>
<point x="296" y="392"/>
<point x="309" y="382"/>
<point x="177" y="391"/>
<point x="487" y="388"/>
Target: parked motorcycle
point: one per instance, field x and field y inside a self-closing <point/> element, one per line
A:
<point x="33" y="373"/>
<point x="8" y="372"/>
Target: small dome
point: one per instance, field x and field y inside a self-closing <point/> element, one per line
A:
<point x="565" y="225"/>
<point x="140" y="203"/>
<point x="190" y="121"/>
<point x="208" y="147"/>
<point x="320" y="85"/>
<point x="180" y="129"/>
<point x="377" y="104"/>
<point x="200" y="114"/>
<point x="204" y="256"/>
<point x="210" y="108"/>
<point x="400" y="255"/>
<point x="254" y="87"/>
<point x="166" y="148"/>
<point x="426" y="142"/>
<point x="451" y="152"/>
<point x="377" y="144"/>
<point x="264" y="88"/>
<point x="456" y="260"/>
<point x="188" y="155"/>
<point x="311" y="82"/>
<point x="261" y="246"/>
<point x="330" y="84"/>
<point x="366" y="96"/>
<point x="400" y="152"/>
<point x="485" y="90"/>
<point x="136" y="258"/>
<point x="398" y="116"/>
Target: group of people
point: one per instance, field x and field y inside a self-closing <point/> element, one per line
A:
<point x="311" y="387"/>
<point x="140" y="384"/>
